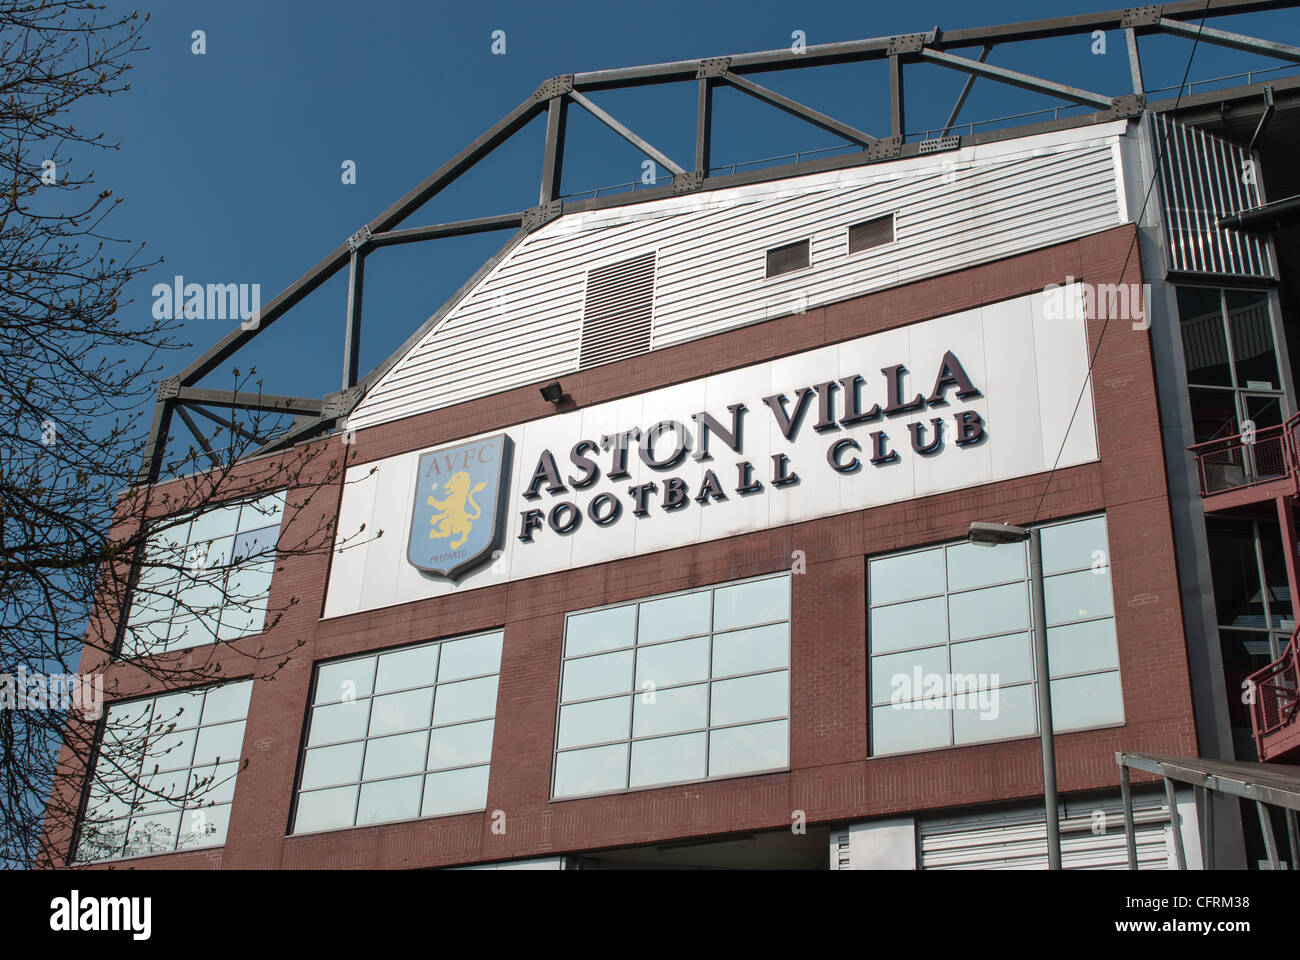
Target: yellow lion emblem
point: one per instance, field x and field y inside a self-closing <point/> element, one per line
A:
<point x="457" y="511"/>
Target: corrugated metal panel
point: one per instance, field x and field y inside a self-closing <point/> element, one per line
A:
<point x="1017" y="839"/>
<point x="523" y="321"/>
<point x="1202" y="178"/>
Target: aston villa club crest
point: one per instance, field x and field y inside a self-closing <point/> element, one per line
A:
<point x="459" y="506"/>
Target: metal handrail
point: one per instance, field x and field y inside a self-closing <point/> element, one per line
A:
<point x="1276" y="694"/>
<point x="1245" y="459"/>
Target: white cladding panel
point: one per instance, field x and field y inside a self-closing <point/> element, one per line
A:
<point x="522" y="322"/>
<point x="1017" y="357"/>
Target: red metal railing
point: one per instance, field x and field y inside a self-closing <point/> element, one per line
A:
<point x="1244" y="459"/>
<point x="1276" y="691"/>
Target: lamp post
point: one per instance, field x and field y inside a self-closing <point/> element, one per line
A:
<point x="991" y="535"/>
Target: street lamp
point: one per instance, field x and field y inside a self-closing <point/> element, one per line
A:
<point x="991" y="535"/>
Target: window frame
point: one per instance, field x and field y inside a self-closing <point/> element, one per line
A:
<point x="708" y="682"/>
<point x="943" y="545"/>
<point x="291" y="830"/>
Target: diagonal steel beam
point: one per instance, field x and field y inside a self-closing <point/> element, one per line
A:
<point x="797" y="109"/>
<point x="459" y="228"/>
<point x="1016" y="79"/>
<point x="1237" y="41"/>
<point x="198" y="435"/>
<point x="502" y="130"/>
<point x="642" y="145"/>
<point x="228" y="424"/>
<point x="965" y="91"/>
<point x="271" y="403"/>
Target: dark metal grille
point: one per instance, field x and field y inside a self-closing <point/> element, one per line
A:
<point x="787" y="259"/>
<point x="619" y="306"/>
<point x="871" y="233"/>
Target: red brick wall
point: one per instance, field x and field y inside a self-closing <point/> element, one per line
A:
<point x="831" y="778"/>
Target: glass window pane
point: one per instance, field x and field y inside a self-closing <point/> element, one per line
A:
<point x="994" y="714"/>
<point x="1250" y="323"/>
<point x="681" y="616"/>
<point x="759" y="601"/>
<point x="455" y="791"/>
<point x="751" y="698"/>
<point x="204" y="828"/>
<point x="397" y="712"/>
<point x="329" y="766"/>
<point x="670" y="711"/>
<point x="255" y="545"/>
<point x="169" y="751"/>
<point x="593" y="770"/>
<point x="1205" y="347"/>
<point x="217" y="522"/>
<point x="264" y="512"/>
<point x="471" y="657"/>
<point x="668" y="760"/>
<point x="460" y="745"/>
<point x="345" y="680"/>
<point x="1075" y="596"/>
<point x="152" y="833"/>
<point x="222" y="742"/>
<point x="906" y="576"/>
<point x="759" y="746"/>
<point x="918" y="623"/>
<point x="101" y="841"/>
<point x="670" y="663"/>
<point x="180" y="710"/>
<point x="340" y="721"/>
<point x="227" y="702"/>
<point x="597" y="721"/>
<point x="389" y="800"/>
<point x="465" y="700"/>
<point x="978" y="566"/>
<point x="393" y="756"/>
<point x="1090" y="701"/>
<point x="111" y="795"/>
<point x="1074" y="545"/>
<point x="595" y="676"/>
<point x="746" y="651"/>
<point x="326" y="809"/>
<point x="1009" y="659"/>
<point x="600" y="630"/>
<point x="1214" y="416"/>
<point x="1082" y="647"/>
<point x="988" y="611"/>
<point x="402" y="669"/>
<point x="895" y="677"/>
<point x="162" y="791"/>
<point x="212" y="785"/>
<point x="902" y="728"/>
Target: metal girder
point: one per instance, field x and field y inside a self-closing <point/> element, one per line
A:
<point x="459" y="228"/>
<point x="965" y="91"/>
<point x="198" y="435"/>
<point x="352" y="330"/>
<point x="643" y="145"/>
<point x="797" y="109"/>
<point x="229" y="425"/>
<point x="1017" y="79"/>
<point x="270" y="403"/>
<point x="1236" y="41"/>
<point x="897" y="123"/>
<point x="553" y="158"/>
<point x="1134" y="61"/>
<point x="703" y="125"/>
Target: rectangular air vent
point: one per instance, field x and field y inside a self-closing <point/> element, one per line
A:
<point x="787" y="259"/>
<point x="871" y="233"/>
<point x="618" y="309"/>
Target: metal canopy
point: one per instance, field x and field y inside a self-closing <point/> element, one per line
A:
<point x="1265" y="784"/>
<point x="552" y="98"/>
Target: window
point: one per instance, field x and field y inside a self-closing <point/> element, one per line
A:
<point x="400" y="735"/>
<point x="165" y="773"/>
<point x="951" y="653"/>
<point x="1231" y="358"/>
<point x="675" y="688"/>
<point x="871" y="233"/>
<point x="205" y="579"/>
<point x="787" y="259"/>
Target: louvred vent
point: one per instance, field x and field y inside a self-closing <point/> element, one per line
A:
<point x="618" y="309"/>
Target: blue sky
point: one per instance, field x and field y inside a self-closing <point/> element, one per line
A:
<point x="230" y="162"/>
